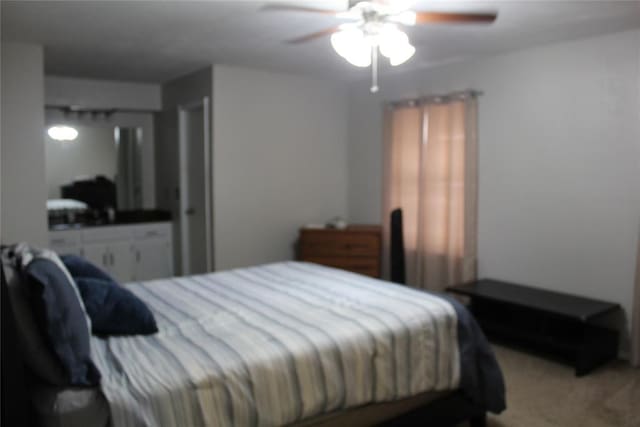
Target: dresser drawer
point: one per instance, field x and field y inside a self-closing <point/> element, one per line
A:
<point x="333" y="244"/>
<point x="356" y="248"/>
<point x="361" y="265"/>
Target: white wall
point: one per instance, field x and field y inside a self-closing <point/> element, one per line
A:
<point x="279" y="161"/>
<point x="22" y="168"/>
<point x="90" y="93"/>
<point x="559" y="160"/>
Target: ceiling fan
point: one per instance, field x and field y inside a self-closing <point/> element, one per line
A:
<point x="375" y="27"/>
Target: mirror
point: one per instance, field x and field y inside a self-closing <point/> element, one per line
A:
<point x="98" y="165"/>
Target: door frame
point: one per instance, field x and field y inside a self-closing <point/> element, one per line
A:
<point x="185" y="249"/>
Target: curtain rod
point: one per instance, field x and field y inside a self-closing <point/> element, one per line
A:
<point x="412" y="102"/>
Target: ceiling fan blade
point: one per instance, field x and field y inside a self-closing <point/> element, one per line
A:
<point x="314" y="36"/>
<point x="454" y="18"/>
<point x="282" y="7"/>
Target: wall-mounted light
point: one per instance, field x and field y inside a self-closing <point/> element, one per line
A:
<point x="62" y="133"/>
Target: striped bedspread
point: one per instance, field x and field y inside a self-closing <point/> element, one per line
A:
<point x="276" y="344"/>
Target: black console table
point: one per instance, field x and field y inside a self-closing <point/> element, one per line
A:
<point x="546" y="322"/>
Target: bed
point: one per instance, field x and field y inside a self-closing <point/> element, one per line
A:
<point x="296" y="344"/>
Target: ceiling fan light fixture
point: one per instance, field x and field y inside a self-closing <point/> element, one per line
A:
<point x="407" y="17"/>
<point x="394" y="44"/>
<point x="402" y="54"/>
<point x="353" y="46"/>
<point x="349" y="14"/>
<point x="376" y="29"/>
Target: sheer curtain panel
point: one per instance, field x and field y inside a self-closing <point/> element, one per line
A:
<point x="431" y="174"/>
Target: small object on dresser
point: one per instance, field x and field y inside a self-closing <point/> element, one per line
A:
<point x="355" y="248"/>
<point x="338" y="223"/>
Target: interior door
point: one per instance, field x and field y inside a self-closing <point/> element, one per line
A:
<point x="195" y="188"/>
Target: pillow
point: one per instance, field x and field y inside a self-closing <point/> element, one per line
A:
<point x="80" y="267"/>
<point x="25" y="254"/>
<point x="61" y="317"/>
<point x="38" y="356"/>
<point x="115" y="310"/>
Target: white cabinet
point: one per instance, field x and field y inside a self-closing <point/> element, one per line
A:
<point x="121" y="261"/>
<point x="115" y="258"/>
<point x="126" y="252"/>
<point x="66" y="241"/>
<point x="96" y="253"/>
<point x="153" y="259"/>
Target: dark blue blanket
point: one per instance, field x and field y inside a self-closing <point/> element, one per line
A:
<point x="480" y="375"/>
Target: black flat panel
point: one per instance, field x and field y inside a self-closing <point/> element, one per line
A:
<point x="576" y="307"/>
<point x="543" y="322"/>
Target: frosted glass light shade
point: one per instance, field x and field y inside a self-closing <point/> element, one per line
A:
<point x="394" y="44"/>
<point x="402" y="54"/>
<point x="352" y="45"/>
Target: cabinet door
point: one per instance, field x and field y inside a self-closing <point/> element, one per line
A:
<point x="97" y="254"/>
<point x="153" y="259"/>
<point x="120" y="261"/>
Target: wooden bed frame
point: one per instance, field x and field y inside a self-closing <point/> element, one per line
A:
<point x="432" y="409"/>
<point x="444" y="409"/>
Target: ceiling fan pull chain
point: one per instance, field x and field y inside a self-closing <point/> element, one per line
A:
<point x="374" y="69"/>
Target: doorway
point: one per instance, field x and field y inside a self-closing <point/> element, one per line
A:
<point x="195" y="229"/>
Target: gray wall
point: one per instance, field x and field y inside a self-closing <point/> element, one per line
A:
<point x="181" y="91"/>
<point x="185" y="90"/>
<point x="280" y="161"/>
<point x="559" y="160"/>
<point x="102" y="93"/>
<point x="22" y="167"/>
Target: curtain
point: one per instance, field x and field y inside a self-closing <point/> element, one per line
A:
<point x="635" y="317"/>
<point x="431" y="174"/>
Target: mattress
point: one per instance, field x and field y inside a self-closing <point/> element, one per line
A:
<point x="274" y="345"/>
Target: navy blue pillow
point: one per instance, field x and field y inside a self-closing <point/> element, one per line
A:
<point x="115" y="310"/>
<point x="61" y="319"/>
<point x="80" y="267"/>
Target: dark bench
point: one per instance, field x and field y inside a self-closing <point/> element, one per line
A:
<point x="566" y="327"/>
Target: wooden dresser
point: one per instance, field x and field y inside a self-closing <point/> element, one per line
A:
<point x="356" y="248"/>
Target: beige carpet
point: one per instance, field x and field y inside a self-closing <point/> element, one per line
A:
<point x="542" y="393"/>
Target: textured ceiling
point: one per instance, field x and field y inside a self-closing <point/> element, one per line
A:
<point x="155" y="41"/>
